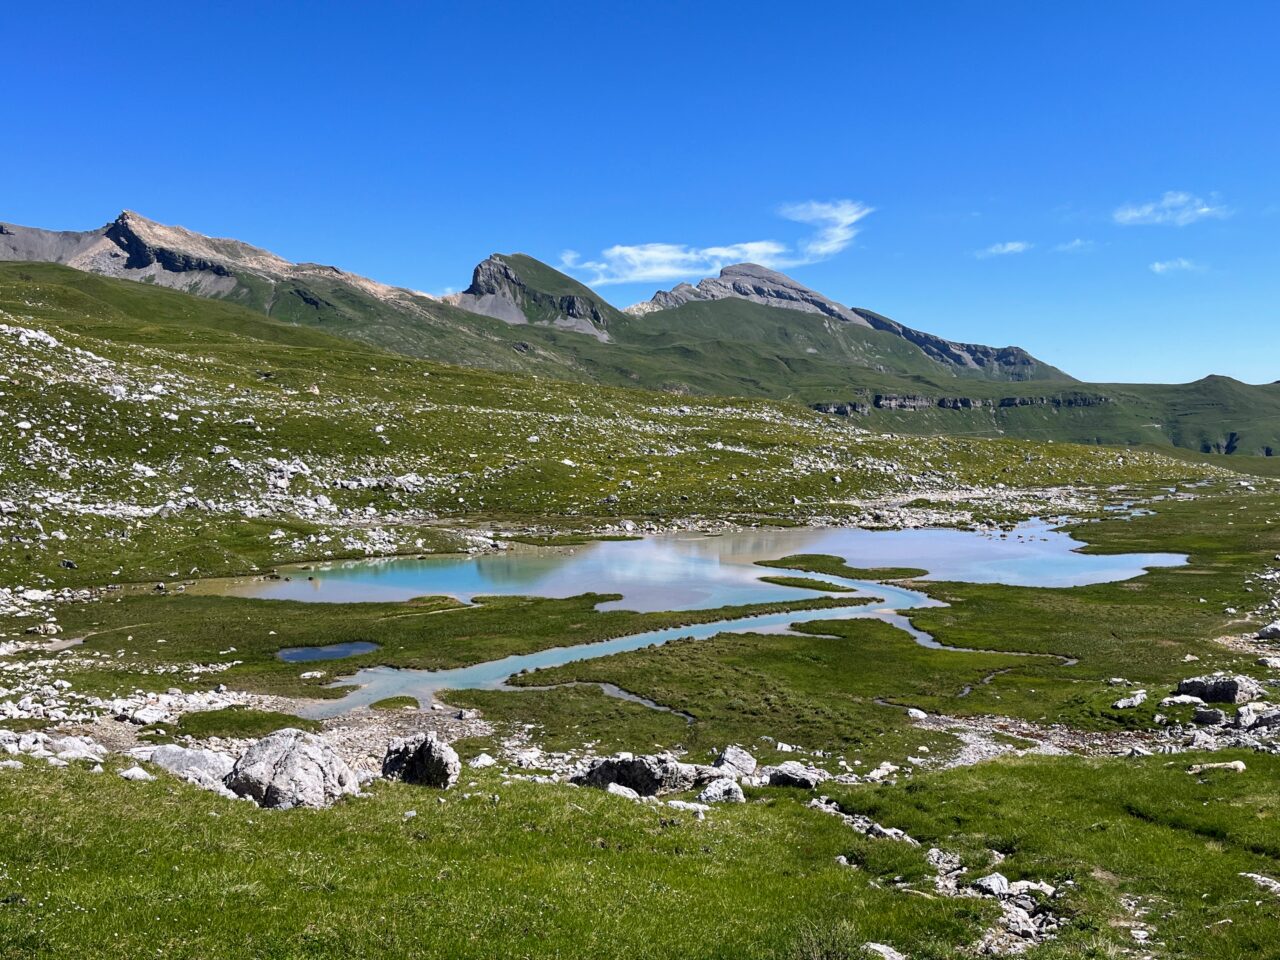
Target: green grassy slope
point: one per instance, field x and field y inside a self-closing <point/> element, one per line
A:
<point x="96" y="866"/>
<point x="738" y="348"/>
<point x="154" y="416"/>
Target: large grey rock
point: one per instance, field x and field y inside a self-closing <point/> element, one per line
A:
<point x="423" y="759"/>
<point x="1209" y="717"/>
<point x="648" y="776"/>
<point x="1247" y="715"/>
<point x="1265" y="719"/>
<point x="1221" y="688"/>
<point x="1270" y="632"/>
<point x="290" y="768"/>
<point x="736" y="762"/>
<point x="993" y="885"/>
<point x="205" y="768"/>
<point x="793" y="773"/>
<point x="724" y="790"/>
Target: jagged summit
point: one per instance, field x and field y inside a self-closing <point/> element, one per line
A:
<point x="518" y="289"/>
<point x="757" y="284"/>
<point x="134" y="247"/>
<point x="749" y="281"/>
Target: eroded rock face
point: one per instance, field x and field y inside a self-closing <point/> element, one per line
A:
<point x="647" y="776"/>
<point x="736" y="762"/>
<point x="1222" y="688"/>
<point x="290" y="768"/>
<point x="499" y="290"/>
<point x="205" y="768"/>
<point x="423" y="759"/>
<point x="794" y="774"/>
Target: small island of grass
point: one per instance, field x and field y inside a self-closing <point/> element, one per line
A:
<point x="807" y="583"/>
<point x="835" y="566"/>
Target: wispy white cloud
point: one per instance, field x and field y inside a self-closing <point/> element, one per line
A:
<point x="836" y="226"/>
<point x="1177" y="265"/>
<point x="1075" y="246"/>
<point x="836" y="222"/>
<point x="1175" y="209"/>
<point x="1004" y="249"/>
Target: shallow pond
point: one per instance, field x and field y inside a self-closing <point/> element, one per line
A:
<point x="686" y="571"/>
<point x="330" y="651"/>
<point x="690" y="571"/>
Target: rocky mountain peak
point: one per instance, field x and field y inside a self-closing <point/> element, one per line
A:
<point x="134" y="247"/>
<point x="750" y="281"/>
<point x="518" y="289"/>
<point x="758" y="284"/>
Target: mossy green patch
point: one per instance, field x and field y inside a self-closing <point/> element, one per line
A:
<point x="395" y="703"/>
<point x="807" y="583"/>
<point x="238" y="723"/>
<point x="835" y="566"/>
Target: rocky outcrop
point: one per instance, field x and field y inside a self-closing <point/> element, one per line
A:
<point x="750" y="281"/>
<point x="204" y="768"/>
<point x="736" y="761"/>
<point x="648" y="776"/>
<point x="792" y="773"/>
<point x="917" y="402"/>
<point x="423" y="759"/>
<point x="1221" y="688"/>
<point x="1058" y="401"/>
<point x="723" y="790"/>
<point x="290" y="768"/>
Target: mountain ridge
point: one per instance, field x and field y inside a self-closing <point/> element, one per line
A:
<point x="758" y="284"/>
<point x="748" y="333"/>
<point x="515" y="289"/>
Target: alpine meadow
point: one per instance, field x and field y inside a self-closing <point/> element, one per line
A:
<point x="713" y="580"/>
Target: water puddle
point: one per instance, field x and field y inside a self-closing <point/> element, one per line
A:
<point x="333" y="651"/>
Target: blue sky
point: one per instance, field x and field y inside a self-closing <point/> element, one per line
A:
<point x="1096" y="182"/>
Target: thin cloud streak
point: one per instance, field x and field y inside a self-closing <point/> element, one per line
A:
<point x="835" y="222"/>
<point x="1004" y="249"/>
<point x="1176" y="208"/>
<point x="1176" y="265"/>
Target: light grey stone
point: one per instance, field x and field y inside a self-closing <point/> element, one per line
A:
<point x="205" y="768"/>
<point x="724" y="790"/>
<point x="290" y="768"/>
<point x="793" y="773"/>
<point x="736" y="760"/>
<point x="993" y="885"/>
